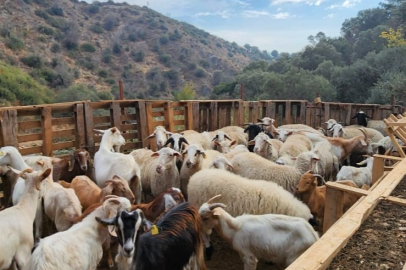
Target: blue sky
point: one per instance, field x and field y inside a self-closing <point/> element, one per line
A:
<point x="282" y="25"/>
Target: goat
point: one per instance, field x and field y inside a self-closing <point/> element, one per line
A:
<point x="107" y="164"/>
<point x="79" y="164"/>
<point x="80" y="247"/>
<point x="89" y="193"/>
<point x="286" y="237"/>
<point x="16" y="223"/>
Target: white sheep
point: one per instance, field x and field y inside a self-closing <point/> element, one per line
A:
<point x="384" y="145"/>
<point x="161" y="136"/>
<point x="192" y="163"/>
<point x="221" y="163"/>
<point x="80" y="247"/>
<point x="108" y="164"/>
<point x="16" y="223"/>
<point x="277" y="238"/>
<point x="204" y="139"/>
<point x="353" y="131"/>
<point x="158" y="170"/>
<point x="359" y="176"/>
<point x="266" y="147"/>
<point x="293" y="146"/>
<point x="244" y="196"/>
<point x="252" y="166"/>
<point x="235" y="151"/>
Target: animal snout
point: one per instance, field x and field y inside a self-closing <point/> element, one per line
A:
<point x="189" y="164"/>
<point x="160" y="142"/>
<point x="256" y="149"/>
<point x="159" y="169"/>
<point x="128" y="251"/>
<point x="84" y="167"/>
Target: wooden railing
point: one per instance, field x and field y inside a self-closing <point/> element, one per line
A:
<point x="55" y="129"/>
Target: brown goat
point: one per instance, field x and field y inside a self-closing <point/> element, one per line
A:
<point x="78" y="164"/>
<point x="154" y="209"/>
<point x="89" y="193"/>
<point x="314" y="197"/>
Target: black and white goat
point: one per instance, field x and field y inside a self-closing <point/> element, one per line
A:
<point x="176" y="142"/>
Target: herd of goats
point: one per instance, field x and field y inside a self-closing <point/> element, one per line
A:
<point x="260" y="188"/>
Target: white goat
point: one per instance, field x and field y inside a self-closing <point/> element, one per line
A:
<point x="286" y="237"/>
<point x="16" y="223"/>
<point x="108" y="164"/>
<point x="161" y="136"/>
<point x="359" y="176"/>
<point x="117" y="142"/>
<point x="80" y="247"/>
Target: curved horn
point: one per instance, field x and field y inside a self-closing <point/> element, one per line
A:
<point x="215" y="138"/>
<point x="215" y="205"/>
<point x="212" y="199"/>
<point x="365" y="132"/>
<point x="318" y="176"/>
<point x="183" y="140"/>
<point x="227" y="137"/>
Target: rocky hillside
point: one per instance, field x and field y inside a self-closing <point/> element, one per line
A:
<point x="62" y="43"/>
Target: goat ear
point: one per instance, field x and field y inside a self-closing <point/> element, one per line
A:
<point x="227" y="137"/>
<point x="106" y="221"/>
<point x="46" y="173"/>
<point x="276" y="132"/>
<point x="363" y="143"/>
<point x="289" y="133"/>
<point x="259" y="120"/>
<point x="203" y="154"/>
<point x="71" y="163"/>
<point x="107" y="190"/>
<point x="113" y="129"/>
<point x="177" y="154"/>
<point x="155" y="154"/>
<point x="151" y="136"/>
<point x="233" y="142"/>
<point x="252" y="142"/>
<point x="294" y="158"/>
<point x="99" y="131"/>
<point x="216" y="143"/>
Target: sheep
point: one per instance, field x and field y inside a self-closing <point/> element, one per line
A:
<point x="170" y="245"/>
<point x="161" y="135"/>
<point x="89" y="193"/>
<point x="314" y="196"/>
<point x="359" y="176"/>
<point x="384" y="145"/>
<point x="244" y="196"/>
<point x="107" y="164"/>
<point x="350" y="132"/>
<point x="266" y="147"/>
<point x="203" y="139"/>
<point x="235" y="151"/>
<point x="221" y="163"/>
<point x="225" y="146"/>
<point x="252" y="166"/>
<point x="320" y="160"/>
<point x="293" y="146"/>
<point x="286" y="237"/>
<point x="80" y="247"/>
<point x="253" y="130"/>
<point x="237" y="137"/>
<point x="379" y="125"/>
<point x="16" y="223"/>
<point x="297" y="127"/>
<point x="176" y="140"/>
<point x="192" y="163"/>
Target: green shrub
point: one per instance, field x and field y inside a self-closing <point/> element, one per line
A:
<point x="163" y="39"/>
<point x="116" y="48"/>
<point x="175" y="35"/>
<point x="138" y="56"/>
<point x="191" y="66"/>
<point x="200" y="73"/>
<point x="132" y="37"/>
<point x="187" y="93"/>
<point x="204" y="63"/>
<point x="55" y="10"/>
<point x="41" y="13"/>
<point x="33" y="61"/>
<point x="230" y="54"/>
<point x="110" y="21"/>
<point x="105" y="95"/>
<point x="106" y="57"/>
<point x="76" y="93"/>
<point x="87" y="47"/>
<point x="14" y="43"/>
<point x="110" y="81"/>
<point x="164" y="58"/>
<point x="45" y="30"/>
<point x="172" y="75"/>
<point x="55" y="48"/>
<point x="42" y="39"/>
<point x="103" y="73"/>
<point x="18" y="87"/>
<point x="93" y="9"/>
<point x="87" y="63"/>
<point x="96" y="28"/>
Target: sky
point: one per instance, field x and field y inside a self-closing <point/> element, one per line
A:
<point x="282" y="25"/>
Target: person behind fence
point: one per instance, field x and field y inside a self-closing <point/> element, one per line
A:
<point x="361" y="118"/>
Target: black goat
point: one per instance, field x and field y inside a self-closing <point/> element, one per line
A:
<point x="253" y="130"/>
<point x="176" y="141"/>
<point x="176" y="238"/>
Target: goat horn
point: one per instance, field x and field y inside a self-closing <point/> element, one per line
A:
<point x="227" y="137"/>
<point x="318" y="176"/>
<point x="212" y="199"/>
<point x="215" y="205"/>
<point x="28" y="170"/>
<point x="364" y="132"/>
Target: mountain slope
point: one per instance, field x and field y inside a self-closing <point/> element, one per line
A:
<point x="61" y="43"/>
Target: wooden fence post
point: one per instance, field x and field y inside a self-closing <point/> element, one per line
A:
<point x="142" y="125"/>
<point x="288" y="112"/>
<point x="333" y="208"/>
<point x="196" y="116"/>
<point x="89" y="125"/>
<point x="115" y="113"/>
<point x="168" y="116"/>
<point x="303" y="106"/>
<point x="189" y="115"/>
<point x="79" y="126"/>
<point x="150" y="123"/>
<point x="326" y="111"/>
<point x="9" y="127"/>
<point x="46" y="122"/>
<point x="213" y="125"/>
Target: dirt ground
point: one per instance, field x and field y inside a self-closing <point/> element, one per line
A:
<point x="381" y="241"/>
<point x="380" y="244"/>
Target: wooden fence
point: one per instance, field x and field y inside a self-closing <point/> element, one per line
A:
<point x="56" y="129"/>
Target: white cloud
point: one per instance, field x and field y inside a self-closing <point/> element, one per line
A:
<point x="260" y="13"/>
<point x="225" y="14"/>
<point x="345" y="4"/>
<point x="309" y="2"/>
<point x="330" y="16"/>
<point x="242" y="3"/>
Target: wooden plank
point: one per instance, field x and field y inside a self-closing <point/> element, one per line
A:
<point x="63" y="121"/>
<point x="326" y="111"/>
<point x="89" y="125"/>
<point x="29" y="137"/>
<point x="333" y="208"/>
<point x="24" y="125"/>
<point x="222" y="117"/>
<point x="63" y="133"/>
<point x="288" y="113"/>
<point x="178" y="112"/>
<point x="142" y="120"/>
<point x="46" y="120"/>
<point x="254" y="116"/>
<point x="80" y="126"/>
<point x="179" y="123"/>
<point x="101" y="119"/>
<point x="303" y="106"/>
<point x="228" y="116"/>
<point x="128" y="117"/>
<point x="188" y="115"/>
<point x="349" y="115"/>
<point x="168" y="113"/>
<point x="131" y="146"/>
<point x="130" y="136"/>
<point x="213" y="124"/>
<point x="125" y="127"/>
<point x="321" y="253"/>
<point x="395" y="200"/>
<point x="9" y="127"/>
<point x="31" y="150"/>
<point x="196" y="116"/>
<point x="115" y="112"/>
<point x="377" y="168"/>
<point x="63" y="145"/>
<point x="309" y="112"/>
<point x="348" y="189"/>
<point x="150" y="124"/>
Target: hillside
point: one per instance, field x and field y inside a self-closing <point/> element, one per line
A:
<point x="62" y="43"/>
